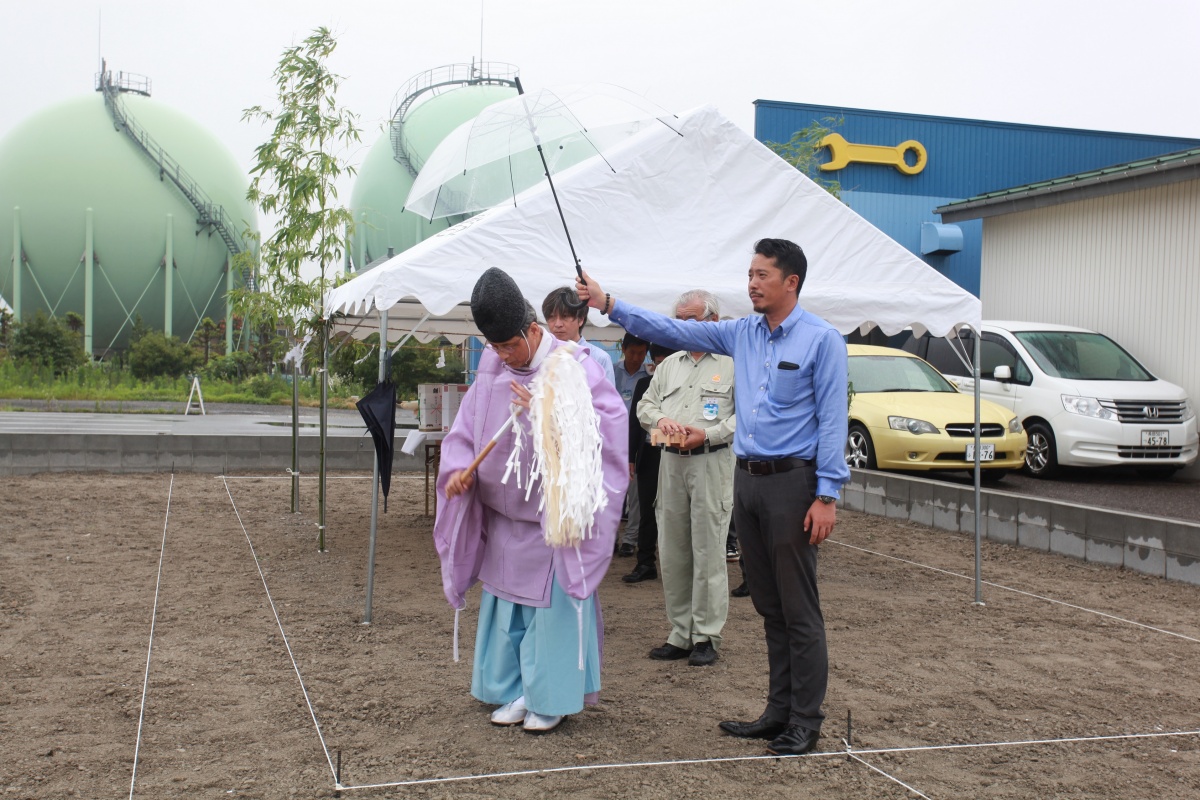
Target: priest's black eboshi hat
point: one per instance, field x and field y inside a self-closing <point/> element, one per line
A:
<point x="498" y="306"/>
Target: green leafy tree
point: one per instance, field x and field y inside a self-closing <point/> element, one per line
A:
<point x="139" y="329"/>
<point x="206" y="334"/>
<point x="236" y="366"/>
<point x="802" y="151"/>
<point x="6" y="327"/>
<point x="157" y="355"/>
<point x="293" y="180"/>
<point x="75" y="323"/>
<point x="413" y="364"/>
<point x="44" y="341"/>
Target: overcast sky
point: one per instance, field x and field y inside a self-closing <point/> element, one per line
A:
<point x="1097" y="64"/>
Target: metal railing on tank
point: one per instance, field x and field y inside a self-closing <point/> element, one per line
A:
<point x="112" y="85"/>
<point x="432" y="83"/>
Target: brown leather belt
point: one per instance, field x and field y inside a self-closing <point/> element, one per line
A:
<point x="773" y="467"/>
<point x="695" y="451"/>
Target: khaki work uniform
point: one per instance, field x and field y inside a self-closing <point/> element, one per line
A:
<point x="695" y="493"/>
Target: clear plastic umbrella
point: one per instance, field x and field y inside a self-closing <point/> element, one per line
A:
<point x="515" y="144"/>
<point x="489" y="160"/>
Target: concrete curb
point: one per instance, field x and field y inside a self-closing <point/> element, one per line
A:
<point x="1165" y="548"/>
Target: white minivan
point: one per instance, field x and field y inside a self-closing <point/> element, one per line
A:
<point x="1084" y="401"/>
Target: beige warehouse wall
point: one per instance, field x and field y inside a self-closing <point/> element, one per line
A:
<point x="1127" y="265"/>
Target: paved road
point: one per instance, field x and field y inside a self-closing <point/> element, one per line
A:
<point x="1119" y="488"/>
<point x="142" y="417"/>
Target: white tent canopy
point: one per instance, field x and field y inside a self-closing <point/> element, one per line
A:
<point x="674" y="213"/>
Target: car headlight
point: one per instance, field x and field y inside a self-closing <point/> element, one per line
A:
<point x="1087" y="407"/>
<point x="1014" y="425"/>
<point x="917" y="426"/>
<point x="1187" y="410"/>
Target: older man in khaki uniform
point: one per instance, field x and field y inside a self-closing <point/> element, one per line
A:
<point x="691" y="395"/>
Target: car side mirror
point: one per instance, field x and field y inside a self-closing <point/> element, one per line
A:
<point x="1003" y="373"/>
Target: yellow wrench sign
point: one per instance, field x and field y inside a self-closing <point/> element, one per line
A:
<point x="841" y="153"/>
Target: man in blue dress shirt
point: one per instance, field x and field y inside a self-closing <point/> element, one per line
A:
<point x="790" y="396"/>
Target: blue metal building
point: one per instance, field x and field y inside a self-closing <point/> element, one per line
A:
<point x="961" y="158"/>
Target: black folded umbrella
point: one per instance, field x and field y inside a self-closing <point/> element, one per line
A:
<point x="378" y="409"/>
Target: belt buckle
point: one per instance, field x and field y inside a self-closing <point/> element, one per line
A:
<point x="683" y="453"/>
<point x="755" y="468"/>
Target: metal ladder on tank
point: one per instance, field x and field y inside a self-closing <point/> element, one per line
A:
<point x="436" y="81"/>
<point x="111" y="85"/>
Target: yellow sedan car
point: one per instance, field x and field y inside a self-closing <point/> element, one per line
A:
<point x="904" y="415"/>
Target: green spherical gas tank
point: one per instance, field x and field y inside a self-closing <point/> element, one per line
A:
<point x="383" y="182"/>
<point x="69" y="170"/>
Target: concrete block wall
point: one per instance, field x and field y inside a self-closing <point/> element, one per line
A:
<point x="1157" y="546"/>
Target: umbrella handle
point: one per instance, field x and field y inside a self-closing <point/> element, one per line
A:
<point x="574" y="305"/>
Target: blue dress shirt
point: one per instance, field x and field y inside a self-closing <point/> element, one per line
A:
<point x="602" y="358"/>
<point x="626" y="382"/>
<point x="781" y="413"/>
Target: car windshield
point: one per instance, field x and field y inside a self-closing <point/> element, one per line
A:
<point x="895" y="374"/>
<point x="1082" y="356"/>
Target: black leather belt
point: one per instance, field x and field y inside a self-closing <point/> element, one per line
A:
<point x="772" y="467"/>
<point x="711" y="448"/>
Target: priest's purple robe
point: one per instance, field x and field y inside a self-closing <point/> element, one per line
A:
<point x="492" y="533"/>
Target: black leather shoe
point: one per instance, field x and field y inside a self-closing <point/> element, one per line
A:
<point x="625" y="550"/>
<point x="741" y="591"/>
<point x="641" y="573"/>
<point x="669" y="652"/>
<point x="703" y="654"/>
<point x="795" y="741"/>
<point x="762" y="728"/>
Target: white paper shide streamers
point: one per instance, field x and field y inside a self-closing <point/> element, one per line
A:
<point x="566" y="449"/>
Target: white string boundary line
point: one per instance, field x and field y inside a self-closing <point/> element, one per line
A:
<point x="850" y="754"/>
<point x="725" y="759"/>
<point x="286" y="643"/>
<point x="1020" y="591"/>
<point x="289" y="477"/>
<point x="150" y="645"/>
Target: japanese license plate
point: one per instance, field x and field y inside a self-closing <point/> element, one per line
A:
<point x="1155" y="438"/>
<point x="987" y="452"/>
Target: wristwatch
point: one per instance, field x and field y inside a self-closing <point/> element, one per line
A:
<point x="826" y="499"/>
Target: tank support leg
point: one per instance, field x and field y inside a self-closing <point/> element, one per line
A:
<point x="16" y="262"/>
<point x="228" y="304"/>
<point x="169" y="280"/>
<point x="89" y="284"/>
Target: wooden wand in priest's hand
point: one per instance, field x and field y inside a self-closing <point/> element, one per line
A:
<point x="461" y="481"/>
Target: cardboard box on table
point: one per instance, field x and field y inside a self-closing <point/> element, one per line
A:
<point x="438" y="405"/>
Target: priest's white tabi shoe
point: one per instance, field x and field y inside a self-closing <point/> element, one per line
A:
<point x="540" y="723"/>
<point x="510" y="713"/>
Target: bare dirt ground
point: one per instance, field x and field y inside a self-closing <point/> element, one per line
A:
<point x="225" y="715"/>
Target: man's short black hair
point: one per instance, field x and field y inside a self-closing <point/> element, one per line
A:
<point x="633" y="341"/>
<point x="788" y="257"/>
<point x="558" y="304"/>
<point x="661" y="351"/>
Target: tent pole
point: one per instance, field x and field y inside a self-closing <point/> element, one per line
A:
<point x="383" y="374"/>
<point x="978" y="515"/>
